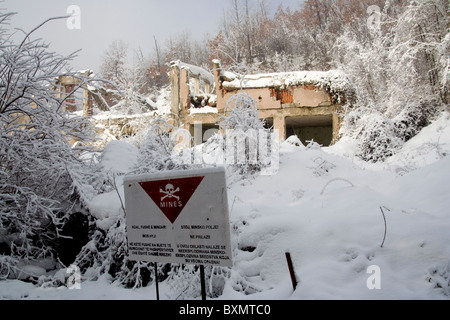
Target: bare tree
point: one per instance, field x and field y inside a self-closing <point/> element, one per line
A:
<point x="127" y="78"/>
<point x="114" y="61"/>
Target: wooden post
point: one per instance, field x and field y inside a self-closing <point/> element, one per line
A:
<point x="291" y="270"/>
<point x="202" y="282"/>
<point x="156" y="281"/>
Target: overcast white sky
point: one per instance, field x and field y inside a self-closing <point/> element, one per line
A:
<point x="133" y="21"/>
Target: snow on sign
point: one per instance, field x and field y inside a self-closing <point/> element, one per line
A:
<point x="178" y="217"/>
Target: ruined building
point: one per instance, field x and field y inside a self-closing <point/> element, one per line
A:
<point x="304" y="103"/>
<point x="69" y="87"/>
<point x="81" y="95"/>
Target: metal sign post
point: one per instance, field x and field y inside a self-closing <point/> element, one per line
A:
<point x="156" y="281"/>
<point x="202" y="282"/>
<point x="179" y="217"/>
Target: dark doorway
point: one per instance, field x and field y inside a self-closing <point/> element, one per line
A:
<point x="306" y="128"/>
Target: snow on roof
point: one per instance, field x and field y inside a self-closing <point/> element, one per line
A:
<point x="334" y="81"/>
<point x="87" y="72"/>
<point x="198" y="71"/>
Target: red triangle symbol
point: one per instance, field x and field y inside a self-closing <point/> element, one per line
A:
<point x="171" y="195"/>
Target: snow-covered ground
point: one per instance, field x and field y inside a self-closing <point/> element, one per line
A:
<point x="325" y="207"/>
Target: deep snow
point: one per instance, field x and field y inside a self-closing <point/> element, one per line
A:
<point x="324" y="207"/>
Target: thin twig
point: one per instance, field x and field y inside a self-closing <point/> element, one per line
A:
<point x="336" y="179"/>
<point x="385" y="226"/>
<point x="118" y="193"/>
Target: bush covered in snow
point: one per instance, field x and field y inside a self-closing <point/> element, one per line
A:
<point x="42" y="177"/>
<point x="245" y="137"/>
<point x="380" y="136"/>
<point x="399" y="70"/>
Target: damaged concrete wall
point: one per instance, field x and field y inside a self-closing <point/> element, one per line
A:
<point x="68" y="86"/>
<point x="192" y="90"/>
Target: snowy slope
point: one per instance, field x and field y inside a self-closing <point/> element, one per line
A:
<point x="324" y="207"/>
<point x="334" y="230"/>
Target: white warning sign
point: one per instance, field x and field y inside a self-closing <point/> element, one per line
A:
<point x="178" y="217"/>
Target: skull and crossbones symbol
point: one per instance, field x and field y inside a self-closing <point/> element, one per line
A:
<point x="169" y="192"/>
